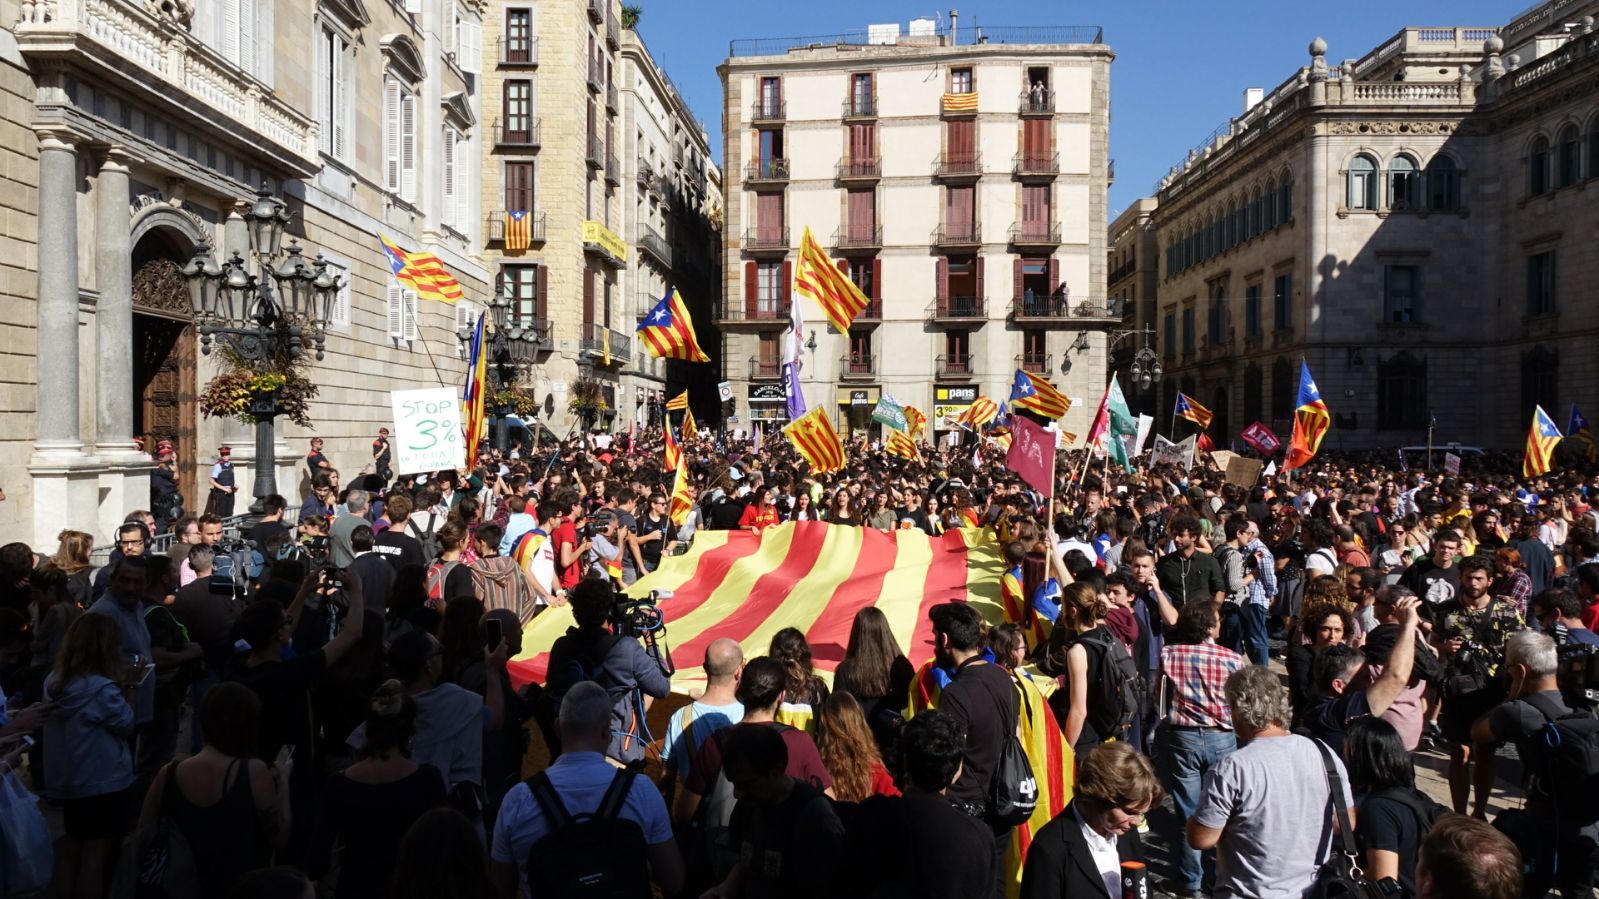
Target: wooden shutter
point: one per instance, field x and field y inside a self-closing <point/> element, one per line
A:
<point x="751" y="287"/>
<point x="469" y="47"/>
<point x="861" y="213"/>
<point x="981" y="294"/>
<point x="943" y="279"/>
<point x="962" y="139"/>
<point x="246" y="35"/>
<point x="391" y="134"/>
<point x="588" y="296"/>
<point x="862" y="143"/>
<point x="229" y="29"/>
<point x="408" y="146"/>
<point x="1035" y="138"/>
<point x="466" y="188"/>
<point x="1016" y="277"/>
<point x="409" y="297"/>
<point x="450" y="178"/>
<point x="1035" y="208"/>
<point x="324" y="87"/>
<point x="396" y="310"/>
<point x="343" y="108"/>
<point x="877" y="280"/>
<point x="1054" y="276"/>
<point x="788" y="283"/>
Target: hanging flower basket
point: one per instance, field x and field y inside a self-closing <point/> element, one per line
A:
<point x="519" y="401"/>
<point x="253" y="397"/>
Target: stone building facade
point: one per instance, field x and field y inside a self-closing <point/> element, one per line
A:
<point x="958" y="176"/>
<point x="136" y="131"/>
<point x="1408" y="223"/>
<point x="565" y="87"/>
<point x="1134" y="270"/>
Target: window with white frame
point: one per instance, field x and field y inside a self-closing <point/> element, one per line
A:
<point x="402" y="312"/>
<point x="466" y="315"/>
<point x="450" y="213"/>
<point x="399" y="138"/>
<point x="339" y="316"/>
<point x="335" y="74"/>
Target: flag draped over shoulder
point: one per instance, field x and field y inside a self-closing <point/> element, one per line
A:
<point x="818" y="278"/>
<point x="1188" y="408"/>
<point x="668" y="332"/>
<point x="422" y="272"/>
<point x="814" y="438"/>
<point x="1541" y="442"/>
<point x="1038" y="396"/>
<point x="474" y="419"/>
<point x="1311" y="421"/>
<point x="1578" y="429"/>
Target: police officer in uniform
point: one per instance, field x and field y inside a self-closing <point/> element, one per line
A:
<point x="223" y="485"/>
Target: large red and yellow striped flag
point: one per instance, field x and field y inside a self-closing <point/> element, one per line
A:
<point x="982" y="411"/>
<point x="915" y="422"/>
<point x="962" y="102"/>
<point x="813" y="436"/>
<point x="898" y="443"/>
<point x="818" y="278"/>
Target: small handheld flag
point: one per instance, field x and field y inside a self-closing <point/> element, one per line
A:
<point x="422" y="272"/>
<point x="668" y="333"/>
<point x="1039" y="396"/>
<point x="1189" y="409"/>
<point x="1541" y="442"/>
<point x="678" y="403"/>
<point x="690" y="429"/>
<point x="979" y="413"/>
<point x="1311" y="421"/>
<point x="474" y="419"/>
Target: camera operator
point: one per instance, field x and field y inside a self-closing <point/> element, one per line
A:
<point x="1470" y="633"/>
<point x="604" y="558"/>
<point x="1558" y="829"/>
<point x="592" y="651"/>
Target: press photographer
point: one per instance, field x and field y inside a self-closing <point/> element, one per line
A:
<point x="600" y="649"/>
<point x="1558" y="830"/>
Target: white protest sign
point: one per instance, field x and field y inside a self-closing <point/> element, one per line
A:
<point x="427" y="430"/>
<point x="1452" y="464"/>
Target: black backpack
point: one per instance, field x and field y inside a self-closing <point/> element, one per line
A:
<point x="589" y="856"/>
<point x="1566" y="763"/>
<point x="1013" y="794"/>
<point x="1114" y="685"/>
<point x="431" y="545"/>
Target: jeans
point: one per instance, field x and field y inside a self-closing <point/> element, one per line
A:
<point x="1253" y="619"/>
<point x="1184" y="755"/>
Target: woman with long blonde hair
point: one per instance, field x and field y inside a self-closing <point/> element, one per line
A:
<point x="72" y="559"/>
<point x="849" y="752"/>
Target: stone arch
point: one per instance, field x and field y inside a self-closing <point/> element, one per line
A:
<point x="181" y="229"/>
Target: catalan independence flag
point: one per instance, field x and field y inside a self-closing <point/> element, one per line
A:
<point x="678" y="403"/>
<point x="814" y="438"/>
<point x="1579" y="429"/>
<point x="1038" y="396"/>
<point x="474" y="418"/>
<point x="979" y="413"/>
<point x="690" y="429"/>
<point x="898" y="443"/>
<point x="518" y="230"/>
<point x="422" y="272"/>
<point x="673" y="451"/>
<point x="818" y="278"/>
<point x="668" y="333"/>
<point x="1189" y="409"/>
<point x="1541" y="442"/>
<point x="1311" y="421"/>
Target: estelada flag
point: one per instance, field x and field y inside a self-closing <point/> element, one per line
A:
<point x="1579" y="429"/>
<point x="474" y="418"/>
<point x="1311" y="421"/>
<point x="1039" y="396"/>
<point x="668" y="332"/>
<point x="1541" y="442"/>
<point x="814" y="438"/>
<point x="422" y="272"/>
<point x="673" y="453"/>
<point x="1261" y="438"/>
<point x="518" y="230"/>
<point x="1188" y="408"/>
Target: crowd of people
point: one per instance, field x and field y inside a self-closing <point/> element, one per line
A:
<point x="319" y="704"/>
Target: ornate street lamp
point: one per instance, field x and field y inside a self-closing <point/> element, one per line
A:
<point x="512" y="347"/>
<point x="1145" y="370"/>
<point x="266" y="317"/>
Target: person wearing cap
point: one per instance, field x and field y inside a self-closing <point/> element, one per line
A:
<point x="224" y="486"/>
<point x="381" y="456"/>
<point x="165" y="500"/>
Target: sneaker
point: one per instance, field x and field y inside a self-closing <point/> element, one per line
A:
<point x="1177" y="889"/>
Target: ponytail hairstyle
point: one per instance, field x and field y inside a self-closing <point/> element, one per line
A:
<point x="789" y="647"/>
<point x="390" y="721"/>
<point x="1083" y="604"/>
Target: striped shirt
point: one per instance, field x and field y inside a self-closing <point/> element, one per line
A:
<point x="1197" y="673"/>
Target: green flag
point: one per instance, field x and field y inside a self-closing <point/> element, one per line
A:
<point x="890" y="413"/>
<point x="1123" y="426"/>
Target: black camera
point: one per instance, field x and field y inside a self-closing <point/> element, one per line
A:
<point x="1578" y="674"/>
<point x="640" y="618"/>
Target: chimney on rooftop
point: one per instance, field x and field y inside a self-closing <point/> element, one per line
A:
<point x="1252" y="97"/>
<point x="954" y="19"/>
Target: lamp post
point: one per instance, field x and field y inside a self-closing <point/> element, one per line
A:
<point x="267" y="316"/>
<point x="511" y="347"/>
<point x="1145" y="371"/>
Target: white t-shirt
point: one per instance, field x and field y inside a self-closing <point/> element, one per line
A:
<point x="1322" y="561"/>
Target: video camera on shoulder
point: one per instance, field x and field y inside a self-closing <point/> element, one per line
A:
<point x="639" y="617"/>
<point x="1578" y="674"/>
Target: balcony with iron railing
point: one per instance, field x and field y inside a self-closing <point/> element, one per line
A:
<point x="957" y="234"/>
<point x="613" y="32"/>
<point x="518" y="52"/>
<point x="596" y="152"/>
<point x="770" y="170"/>
<point x="651" y="242"/>
<point x="645" y="175"/>
<point x="868" y="169"/>
<point x="872" y="314"/>
<point x="516" y="132"/>
<point x="1028" y="165"/>
<point x="758" y="312"/>
<point x="1034" y="363"/>
<point x="613" y="170"/>
<point x="1034" y="103"/>
<point x="957" y="308"/>
<point x="858" y="366"/>
<point x="598" y="340"/>
<point x="494" y="228"/>
<point x="954" y="366"/>
<point x="1035" y="234"/>
<point x="768" y="110"/>
<point x="596" y="75"/>
<point x="766" y="240"/>
<point x="612" y="102"/>
<point x="1103" y="310"/>
<point x="596" y="11"/>
<point x="859" y="237"/>
<point x="860" y="107"/>
<point x="765" y="369"/>
<point x="1030" y="306"/>
<point x="958" y="166"/>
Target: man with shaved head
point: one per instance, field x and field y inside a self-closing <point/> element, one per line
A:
<point x="715" y="709"/>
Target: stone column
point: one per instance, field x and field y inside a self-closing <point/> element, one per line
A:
<point x="57" y="330"/>
<point x="113" y="318"/>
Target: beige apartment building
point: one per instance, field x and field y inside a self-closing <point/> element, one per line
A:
<point x="930" y="162"/>
<point x="135" y="132"/>
<point x="1413" y="223"/>
<point x="568" y="90"/>
<point x="1134" y="270"/>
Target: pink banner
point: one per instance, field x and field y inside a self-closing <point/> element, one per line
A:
<point x="1032" y="454"/>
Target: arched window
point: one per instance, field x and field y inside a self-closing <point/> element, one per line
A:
<point x="1210" y="239"/>
<point x="1269" y="204"/>
<point x="1285" y="199"/>
<point x="1254" y="214"/>
<point x="1538" y="167"/>
<point x="1404" y="183"/>
<point x="1570" y="165"/>
<point x="1362" y="192"/>
<point x="1443" y="183"/>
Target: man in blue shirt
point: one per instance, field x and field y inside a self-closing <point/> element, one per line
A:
<point x="1155" y="612"/>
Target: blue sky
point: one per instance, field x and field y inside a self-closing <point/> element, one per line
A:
<point x="1180" y="69"/>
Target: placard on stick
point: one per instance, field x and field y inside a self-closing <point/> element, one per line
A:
<point x="1243" y="471"/>
<point x="427" y="430"/>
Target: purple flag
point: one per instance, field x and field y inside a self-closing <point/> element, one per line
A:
<point x="791" y="390"/>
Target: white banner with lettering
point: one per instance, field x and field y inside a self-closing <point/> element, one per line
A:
<point x="427" y="430"/>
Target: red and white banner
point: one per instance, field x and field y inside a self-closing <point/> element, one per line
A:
<point x="1261" y="438"/>
<point x="1032" y="454"/>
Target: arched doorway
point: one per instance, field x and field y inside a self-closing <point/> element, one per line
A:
<point x="163" y="370"/>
